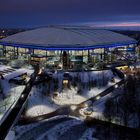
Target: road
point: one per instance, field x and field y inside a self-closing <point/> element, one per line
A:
<point x="11" y="119"/>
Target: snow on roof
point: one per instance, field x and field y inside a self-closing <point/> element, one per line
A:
<point x="9" y="73"/>
<point x="69" y="36"/>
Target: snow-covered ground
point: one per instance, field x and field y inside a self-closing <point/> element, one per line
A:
<point x="99" y="105"/>
<point x="9" y="73"/>
<point x="40" y="103"/>
<point x="17" y="72"/>
<point x="88" y="134"/>
<point x="13" y="95"/>
<point x="70" y="95"/>
<point x="10" y="92"/>
<point x="3" y="67"/>
<point x="57" y="128"/>
<point x="5" y="86"/>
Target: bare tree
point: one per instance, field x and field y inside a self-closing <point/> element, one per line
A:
<point x="109" y="110"/>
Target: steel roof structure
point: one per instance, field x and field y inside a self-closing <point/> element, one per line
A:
<point x="67" y="38"/>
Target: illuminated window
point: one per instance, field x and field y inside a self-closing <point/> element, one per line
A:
<point x="1" y="47"/>
<point x="9" y="48"/>
<point x="99" y="51"/>
<point x="50" y="53"/>
<point x="22" y="50"/>
<point x="42" y="52"/>
<point x="78" y="53"/>
<point x="85" y="52"/>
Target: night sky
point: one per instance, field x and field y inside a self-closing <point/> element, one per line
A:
<point x="35" y="13"/>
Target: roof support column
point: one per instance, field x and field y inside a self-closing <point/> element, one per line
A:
<point x="104" y="55"/>
<point x="4" y="51"/>
<point x="17" y="52"/>
<point x="88" y="56"/>
<point x="46" y="53"/>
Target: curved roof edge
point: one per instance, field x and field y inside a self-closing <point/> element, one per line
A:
<point x="69" y="47"/>
<point x="67" y="36"/>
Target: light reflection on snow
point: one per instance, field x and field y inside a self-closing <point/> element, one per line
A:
<point x="39" y="103"/>
<point x="73" y="107"/>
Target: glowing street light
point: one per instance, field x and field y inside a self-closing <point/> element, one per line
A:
<point x="65" y="82"/>
<point x="22" y="96"/>
<point x="40" y="71"/>
<point x="116" y="86"/>
<point x="98" y="97"/>
<point x="73" y="107"/>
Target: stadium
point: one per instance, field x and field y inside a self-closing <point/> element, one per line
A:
<point x="67" y="45"/>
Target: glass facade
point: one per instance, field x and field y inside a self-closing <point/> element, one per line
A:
<point x="73" y="56"/>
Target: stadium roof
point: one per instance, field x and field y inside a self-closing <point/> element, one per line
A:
<point x="62" y="37"/>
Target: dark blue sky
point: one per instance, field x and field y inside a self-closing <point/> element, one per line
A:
<point x="34" y="13"/>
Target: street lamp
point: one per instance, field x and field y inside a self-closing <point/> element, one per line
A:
<point x="116" y="86"/>
<point x="98" y="97"/>
<point x="65" y="83"/>
<point x="40" y="71"/>
<point x="73" y="107"/>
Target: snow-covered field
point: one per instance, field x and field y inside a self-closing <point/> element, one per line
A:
<point x="9" y="72"/>
<point x="99" y="105"/>
<point x="40" y="103"/>
<point x="10" y="92"/>
<point x="71" y="95"/>
<point x="87" y="135"/>
<point x="13" y="95"/>
<point x="58" y="128"/>
<point x="68" y="97"/>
